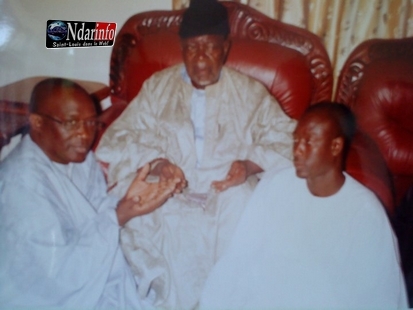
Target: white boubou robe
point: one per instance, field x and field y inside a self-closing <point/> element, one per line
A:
<point x="59" y="236"/>
<point x="293" y="250"/>
<point x="174" y="248"/>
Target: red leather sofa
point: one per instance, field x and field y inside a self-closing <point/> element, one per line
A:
<point x="377" y="83"/>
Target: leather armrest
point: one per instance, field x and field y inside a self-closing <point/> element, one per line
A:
<point x="366" y="164"/>
<point x="385" y="112"/>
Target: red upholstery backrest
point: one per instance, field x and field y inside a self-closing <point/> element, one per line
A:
<point x="291" y="62"/>
<point x="377" y="83"/>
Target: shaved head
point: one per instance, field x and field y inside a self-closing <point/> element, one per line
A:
<point x="342" y="119"/>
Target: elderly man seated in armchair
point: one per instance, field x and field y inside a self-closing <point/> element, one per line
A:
<point x="209" y="126"/>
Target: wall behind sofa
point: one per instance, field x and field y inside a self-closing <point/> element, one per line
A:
<point x="23" y="34"/>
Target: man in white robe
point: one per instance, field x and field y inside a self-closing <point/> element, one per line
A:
<point x="212" y="127"/>
<point x="59" y="229"/>
<point x="311" y="237"/>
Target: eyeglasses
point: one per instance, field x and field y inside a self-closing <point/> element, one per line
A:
<point x="74" y="124"/>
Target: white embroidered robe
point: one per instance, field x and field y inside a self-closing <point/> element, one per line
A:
<point x="174" y="248"/>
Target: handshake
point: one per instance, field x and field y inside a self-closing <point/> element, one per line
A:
<point x="143" y="197"/>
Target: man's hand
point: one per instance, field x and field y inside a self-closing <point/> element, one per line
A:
<point x="142" y="197"/>
<point x="168" y="171"/>
<point x="238" y="173"/>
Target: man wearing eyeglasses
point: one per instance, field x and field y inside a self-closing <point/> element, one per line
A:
<point x="59" y="229"/>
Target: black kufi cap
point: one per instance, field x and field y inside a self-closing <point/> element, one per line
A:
<point x="204" y="17"/>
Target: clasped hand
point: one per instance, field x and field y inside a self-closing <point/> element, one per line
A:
<point x="238" y="173"/>
<point x="143" y="197"/>
<point x="169" y="171"/>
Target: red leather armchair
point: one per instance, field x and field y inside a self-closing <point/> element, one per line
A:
<point x="377" y="83"/>
<point x="291" y="62"/>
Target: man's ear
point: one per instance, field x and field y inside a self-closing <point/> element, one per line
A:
<point x="337" y="146"/>
<point x="35" y="122"/>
